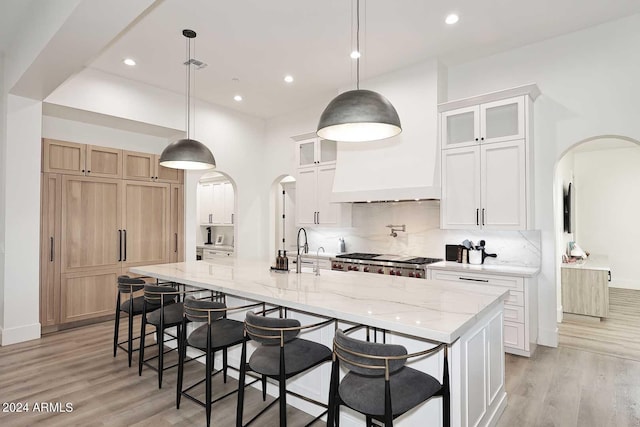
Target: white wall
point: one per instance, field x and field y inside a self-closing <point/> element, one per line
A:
<point x="21" y="222"/>
<point x="564" y="175"/>
<point x="85" y="133"/>
<point x="607" y="194"/>
<point x="589" y="88"/>
<point x="3" y="180"/>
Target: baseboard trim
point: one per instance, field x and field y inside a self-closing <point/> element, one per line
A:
<point x="19" y="334"/>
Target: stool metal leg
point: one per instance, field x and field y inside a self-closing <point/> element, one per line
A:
<point x="182" y="349"/>
<point x="241" y="380"/>
<point x="283" y="390"/>
<point x="209" y="368"/>
<point x="130" y="334"/>
<point x="224" y="365"/>
<point x="143" y="329"/>
<point x="117" y="326"/>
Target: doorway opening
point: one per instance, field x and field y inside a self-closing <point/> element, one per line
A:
<point x="283" y="215"/>
<point x="216" y="218"/>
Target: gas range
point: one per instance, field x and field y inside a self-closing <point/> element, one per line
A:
<point x="394" y="265"/>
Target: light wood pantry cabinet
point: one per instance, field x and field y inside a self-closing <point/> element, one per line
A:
<point x="520" y="308"/>
<point x="92" y="230"/>
<point x="146" y="167"/>
<point x="81" y="159"/>
<point x="486" y="161"/>
<point x="51" y="205"/>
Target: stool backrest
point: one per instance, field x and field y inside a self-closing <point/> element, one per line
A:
<point x="156" y="294"/>
<point x="202" y="310"/>
<point x="127" y="284"/>
<point x="270" y="330"/>
<point x="356" y="355"/>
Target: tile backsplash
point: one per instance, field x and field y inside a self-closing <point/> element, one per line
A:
<point x="423" y="236"/>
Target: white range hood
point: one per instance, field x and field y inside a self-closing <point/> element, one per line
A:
<point x="405" y="167"/>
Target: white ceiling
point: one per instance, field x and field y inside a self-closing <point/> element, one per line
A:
<point x="12" y="14"/>
<point x="259" y="41"/>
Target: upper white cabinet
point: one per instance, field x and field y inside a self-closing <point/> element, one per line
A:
<point x="486" y="159"/>
<point x="316" y="151"/>
<point x="497" y="121"/>
<point x="316" y="162"/>
<point x="216" y="203"/>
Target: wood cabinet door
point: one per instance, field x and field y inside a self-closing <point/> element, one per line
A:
<point x="90" y="230"/>
<point x="145" y="221"/>
<point x="88" y="294"/>
<point x="50" y="218"/>
<point x="460" y="202"/>
<point x="138" y="166"/>
<point x="503" y="186"/>
<point x="103" y="162"/>
<point x="177" y="223"/>
<point x="169" y="175"/>
<point x="63" y="157"/>
<point x="306" y="196"/>
<point x="327" y="211"/>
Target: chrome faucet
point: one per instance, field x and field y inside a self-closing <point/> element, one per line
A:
<point x="305" y="249"/>
<point x="317" y="267"/>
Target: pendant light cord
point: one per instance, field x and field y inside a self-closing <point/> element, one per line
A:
<point x="188" y="87"/>
<point x="358" y="44"/>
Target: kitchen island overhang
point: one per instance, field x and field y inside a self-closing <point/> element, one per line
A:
<point x="466" y="317"/>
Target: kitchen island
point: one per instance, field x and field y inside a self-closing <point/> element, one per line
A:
<point x="466" y="317"/>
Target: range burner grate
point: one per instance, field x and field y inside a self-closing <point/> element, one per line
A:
<point x="358" y="255"/>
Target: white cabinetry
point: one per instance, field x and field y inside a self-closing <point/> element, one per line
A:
<point x="486" y="158"/>
<point x="316" y="159"/>
<point x="216" y="203"/>
<point x="520" y="308"/>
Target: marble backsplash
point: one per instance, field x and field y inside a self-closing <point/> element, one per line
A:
<point x="423" y="236"/>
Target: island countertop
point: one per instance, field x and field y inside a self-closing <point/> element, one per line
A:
<point x="435" y="310"/>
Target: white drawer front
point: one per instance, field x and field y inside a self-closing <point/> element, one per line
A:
<point x="515" y="298"/>
<point x="514" y="335"/>
<point x="514" y="313"/>
<point x="515" y="283"/>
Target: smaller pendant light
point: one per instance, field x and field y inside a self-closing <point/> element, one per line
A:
<point x="359" y="115"/>
<point x="187" y="153"/>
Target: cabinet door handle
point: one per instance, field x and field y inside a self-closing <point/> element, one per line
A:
<point x="51" y="250"/>
<point x="482" y="216"/>
<point x="210" y="218"/>
<point x="232" y="219"/>
<point x="477" y="216"/>
<point x="318" y="217"/>
<point x="473" y="280"/>
<point x="124" y="258"/>
<point x="176" y="249"/>
<point x="119" y="245"/>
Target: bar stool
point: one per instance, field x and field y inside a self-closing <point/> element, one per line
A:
<point x="133" y="306"/>
<point x="378" y="383"/>
<point x="168" y="314"/>
<point x="218" y="333"/>
<point x="280" y="355"/>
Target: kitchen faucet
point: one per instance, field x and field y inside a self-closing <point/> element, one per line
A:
<point x="395" y="228"/>
<point x="317" y="267"/>
<point x="305" y="249"/>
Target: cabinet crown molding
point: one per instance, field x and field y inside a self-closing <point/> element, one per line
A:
<point x="530" y="89"/>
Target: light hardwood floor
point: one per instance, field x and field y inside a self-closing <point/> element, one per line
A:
<point x="587" y="382"/>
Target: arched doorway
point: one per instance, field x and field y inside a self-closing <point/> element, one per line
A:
<point x="282" y="220"/>
<point x="605" y="193"/>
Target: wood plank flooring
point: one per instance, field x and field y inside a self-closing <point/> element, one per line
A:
<point x="591" y="380"/>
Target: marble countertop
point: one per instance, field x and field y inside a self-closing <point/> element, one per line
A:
<point x="498" y="269"/>
<point x="436" y="310"/>
<point x="227" y="248"/>
<point x="593" y="262"/>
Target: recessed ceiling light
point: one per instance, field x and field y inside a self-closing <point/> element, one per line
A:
<point x="238" y="98"/>
<point x="288" y="78"/>
<point x="355" y="54"/>
<point x="452" y="19"/>
<point x="130" y="62"/>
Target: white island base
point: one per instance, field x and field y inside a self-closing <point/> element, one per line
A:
<point x="468" y="319"/>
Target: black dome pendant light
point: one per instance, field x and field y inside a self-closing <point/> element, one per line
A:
<point x="359" y="115"/>
<point x="188" y="153"/>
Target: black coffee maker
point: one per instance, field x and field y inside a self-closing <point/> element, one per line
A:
<point x="208" y="242"/>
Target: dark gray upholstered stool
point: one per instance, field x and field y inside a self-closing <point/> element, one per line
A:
<point x="133" y="307"/>
<point x="280" y="355"/>
<point x="217" y="333"/>
<point x="167" y="313"/>
<point x="378" y="383"/>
